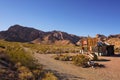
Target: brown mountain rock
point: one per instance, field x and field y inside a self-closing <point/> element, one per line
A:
<point x="24" y="34"/>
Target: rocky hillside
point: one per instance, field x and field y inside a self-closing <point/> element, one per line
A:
<point x="21" y="34"/>
<point x="101" y="36"/>
<point x="111" y="39"/>
<point x="114" y="40"/>
<point x="60" y="37"/>
<point x="114" y="36"/>
<point x="24" y="34"/>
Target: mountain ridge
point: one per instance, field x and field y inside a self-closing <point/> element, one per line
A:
<point x="20" y="33"/>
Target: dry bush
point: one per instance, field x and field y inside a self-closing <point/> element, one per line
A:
<point x="49" y="76"/>
<point x="80" y="60"/>
<point x="25" y="73"/>
<point x="65" y="57"/>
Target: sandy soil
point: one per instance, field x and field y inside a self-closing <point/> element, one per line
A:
<point x="67" y="71"/>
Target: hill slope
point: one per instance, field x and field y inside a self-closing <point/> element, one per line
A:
<point x="24" y="34"/>
<point x="20" y="34"/>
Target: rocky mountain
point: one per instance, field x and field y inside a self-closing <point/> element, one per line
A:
<point x="101" y="36"/>
<point x="24" y="34"/>
<point x="111" y="39"/>
<point x="58" y="36"/>
<point x="20" y="34"/>
<point x="114" y="40"/>
<point x="114" y="36"/>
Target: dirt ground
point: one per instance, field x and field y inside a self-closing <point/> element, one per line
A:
<point x="67" y="71"/>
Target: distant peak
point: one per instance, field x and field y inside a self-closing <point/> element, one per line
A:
<point x="18" y="27"/>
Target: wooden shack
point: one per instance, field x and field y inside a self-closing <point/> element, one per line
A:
<point x="95" y="45"/>
<point x="104" y="49"/>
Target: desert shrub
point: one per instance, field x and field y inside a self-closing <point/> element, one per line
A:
<point x="17" y="54"/>
<point x="80" y="60"/>
<point x="24" y="65"/>
<point x="52" y="49"/>
<point x="49" y="76"/>
<point x="25" y="73"/>
<point x="56" y="57"/>
<point x="65" y="57"/>
<point x="37" y="73"/>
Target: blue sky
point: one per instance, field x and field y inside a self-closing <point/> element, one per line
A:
<point x="79" y="17"/>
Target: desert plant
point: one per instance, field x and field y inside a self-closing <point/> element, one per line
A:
<point x="65" y="57"/>
<point x="24" y="64"/>
<point x="25" y="73"/>
<point x="37" y="73"/>
<point x="80" y="60"/>
<point x="16" y="53"/>
<point x="19" y="55"/>
<point x="49" y="76"/>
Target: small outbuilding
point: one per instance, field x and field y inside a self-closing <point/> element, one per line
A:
<point x="97" y="46"/>
<point x="104" y="49"/>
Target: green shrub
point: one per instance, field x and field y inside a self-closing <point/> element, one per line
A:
<point x="17" y="54"/>
<point x="80" y="60"/>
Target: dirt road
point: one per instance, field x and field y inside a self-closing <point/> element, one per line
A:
<point x="68" y="71"/>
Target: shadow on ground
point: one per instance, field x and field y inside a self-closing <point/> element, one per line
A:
<point x="116" y="55"/>
<point x="103" y="60"/>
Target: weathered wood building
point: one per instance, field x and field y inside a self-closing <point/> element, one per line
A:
<point x="98" y="46"/>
